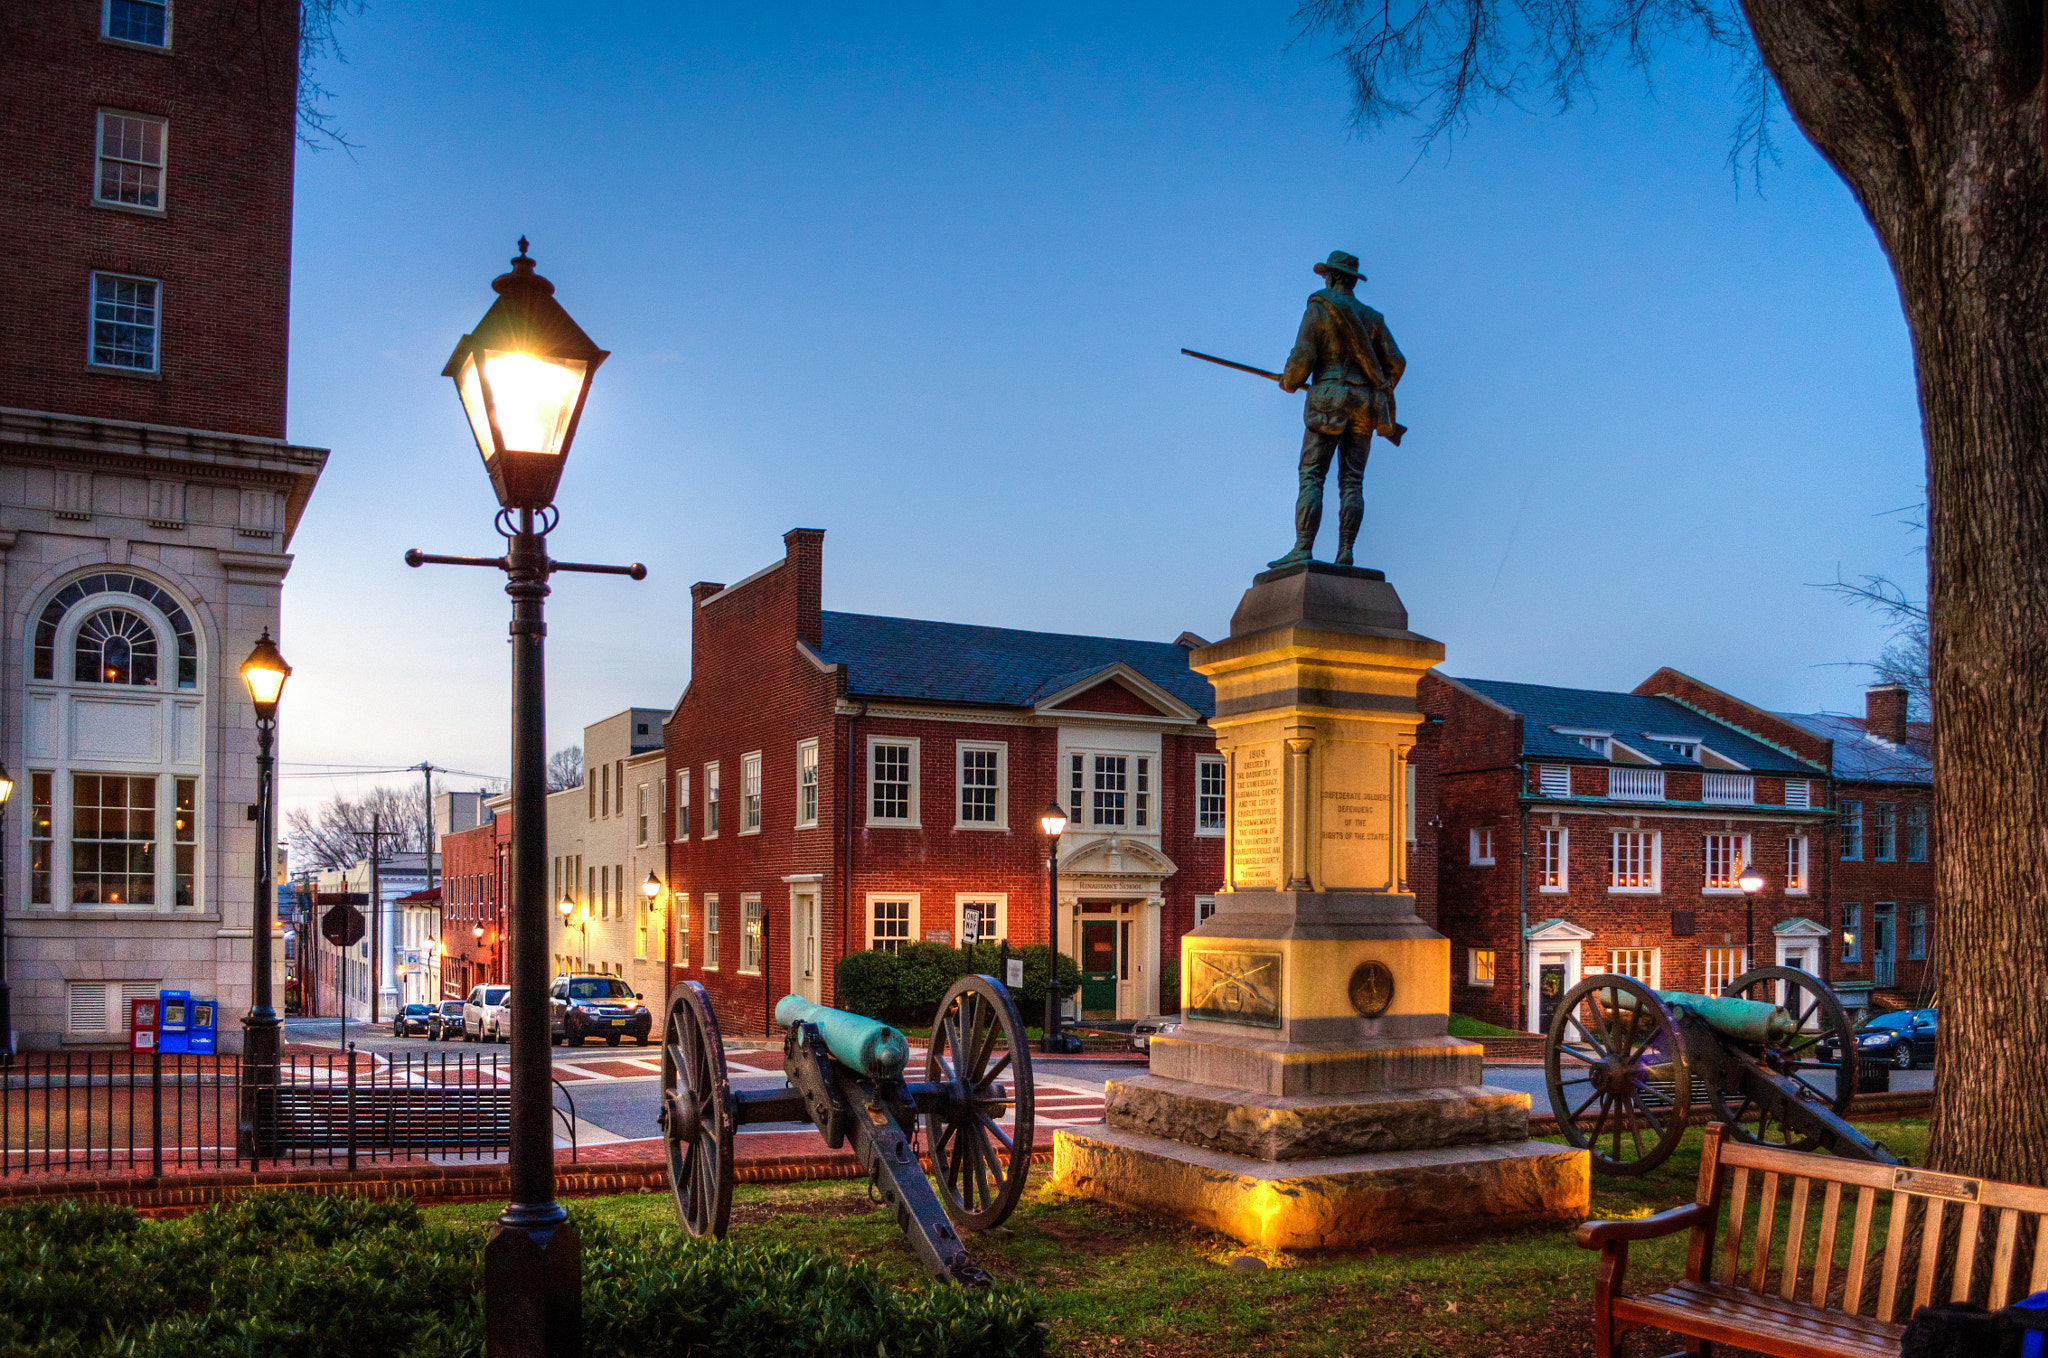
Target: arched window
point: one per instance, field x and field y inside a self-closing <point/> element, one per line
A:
<point x="114" y="646"/>
<point x="115" y="582"/>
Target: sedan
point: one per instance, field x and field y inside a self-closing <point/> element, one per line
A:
<point x="411" y="1020"/>
<point x="1904" y="1039"/>
<point x="444" y="1024"/>
<point x="1147" y="1029"/>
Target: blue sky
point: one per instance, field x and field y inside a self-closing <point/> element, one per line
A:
<point x="919" y="276"/>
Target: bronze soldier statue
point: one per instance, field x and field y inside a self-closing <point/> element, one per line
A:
<point x="1350" y="364"/>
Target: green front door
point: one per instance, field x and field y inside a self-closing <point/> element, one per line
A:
<point x="1098" y="969"/>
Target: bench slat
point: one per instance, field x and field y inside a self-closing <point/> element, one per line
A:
<point x="2001" y="1260"/>
<point x="1966" y="1254"/>
<point x="1859" y="1251"/>
<point x="1824" y="1255"/>
<point x="1766" y="1219"/>
<point x="2039" y="1282"/>
<point x="1731" y="1248"/>
<point x="1795" y="1232"/>
<point x="1730" y="1316"/>
<point x="1894" y="1251"/>
<point x="1930" y="1248"/>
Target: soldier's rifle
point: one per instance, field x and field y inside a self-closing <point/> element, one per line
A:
<point x="1391" y="432"/>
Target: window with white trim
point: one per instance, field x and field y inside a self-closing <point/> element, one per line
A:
<point x="892" y="780"/>
<point x="1852" y="831"/>
<point x="1884" y="832"/>
<point x="1554" y="780"/>
<point x="1852" y="931"/>
<point x="711" y="932"/>
<point x="890" y="922"/>
<point x="750" y="793"/>
<point x="1632" y="860"/>
<point x="1723" y="966"/>
<point x="1916" y="933"/>
<point x="995" y="915"/>
<point x="981" y="775"/>
<point x="640" y="815"/>
<point x="682" y="909"/>
<point x="1795" y="865"/>
<point x="1552" y="858"/>
<point x="1597" y="744"/>
<point x="146" y="23"/>
<point x="750" y="935"/>
<point x="1111" y="791"/>
<point x="1205" y="906"/>
<point x="126" y="322"/>
<point x="1916" y="833"/>
<point x="1684" y="749"/>
<point x="682" y="804"/>
<point x="1640" y="963"/>
<point x="1725" y="856"/>
<point x="131" y="160"/>
<point x="1479" y="966"/>
<point x="711" y="801"/>
<point x="1482" y="847"/>
<point x="1210" y="815"/>
<point x="1798" y="793"/>
<point x="806" y="784"/>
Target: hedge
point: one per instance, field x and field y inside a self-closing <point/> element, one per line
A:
<point x="906" y="987"/>
<point x="300" y="1276"/>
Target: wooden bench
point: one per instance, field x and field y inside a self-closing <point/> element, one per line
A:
<point x="1910" y="1236"/>
<point x="433" y="1119"/>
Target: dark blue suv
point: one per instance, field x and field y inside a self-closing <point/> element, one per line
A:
<point x="1903" y="1040"/>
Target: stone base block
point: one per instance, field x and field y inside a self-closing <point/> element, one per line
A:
<point x="1339" y="1202"/>
<point x="1267" y="1066"/>
<point x="1305" y="1127"/>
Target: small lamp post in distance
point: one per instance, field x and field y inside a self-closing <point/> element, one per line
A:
<point x="263" y="674"/>
<point x="1751" y="881"/>
<point x="522" y="376"/>
<point x="1054" y="823"/>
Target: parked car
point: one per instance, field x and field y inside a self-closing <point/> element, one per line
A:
<point x="1905" y="1039"/>
<point x="410" y="1020"/>
<point x="581" y="1007"/>
<point x="444" y="1021"/>
<point x="483" y="1014"/>
<point x="1147" y="1029"/>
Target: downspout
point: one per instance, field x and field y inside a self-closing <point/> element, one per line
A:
<point x="846" y="819"/>
<point x="1522" y="896"/>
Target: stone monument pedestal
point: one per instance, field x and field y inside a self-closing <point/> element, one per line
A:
<point x="1312" y="1097"/>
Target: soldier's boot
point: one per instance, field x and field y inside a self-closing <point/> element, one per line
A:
<point x="1349" y="516"/>
<point x="1308" y="503"/>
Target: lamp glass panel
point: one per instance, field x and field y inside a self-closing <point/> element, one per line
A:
<point x="470" y="383"/>
<point x="6" y="788"/>
<point x="533" y="398"/>
<point x="264" y="684"/>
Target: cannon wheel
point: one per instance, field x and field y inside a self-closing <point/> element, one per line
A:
<point x="1810" y="1002"/>
<point x="978" y="1040"/>
<point x="1619" y="1074"/>
<point x="697" y="1112"/>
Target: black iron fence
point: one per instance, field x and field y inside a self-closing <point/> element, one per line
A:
<point x="157" y="1113"/>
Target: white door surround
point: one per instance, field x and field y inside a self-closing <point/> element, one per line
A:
<point x="1552" y="941"/>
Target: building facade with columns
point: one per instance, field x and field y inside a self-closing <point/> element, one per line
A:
<point x="148" y="496"/>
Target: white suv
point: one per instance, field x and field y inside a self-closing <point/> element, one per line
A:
<point x="484" y="1017"/>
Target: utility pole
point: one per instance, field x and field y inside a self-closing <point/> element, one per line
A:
<point x="377" y="959"/>
<point x="428" y="770"/>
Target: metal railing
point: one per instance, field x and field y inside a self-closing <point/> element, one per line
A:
<point x="117" y="1113"/>
<point x="1733" y="789"/>
<point x="1635" y="785"/>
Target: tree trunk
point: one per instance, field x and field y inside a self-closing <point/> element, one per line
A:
<point x="1932" y="111"/>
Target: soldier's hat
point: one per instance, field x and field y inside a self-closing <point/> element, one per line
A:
<point x="1340" y="262"/>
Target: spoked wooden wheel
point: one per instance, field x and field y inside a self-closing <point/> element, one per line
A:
<point x="979" y="1053"/>
<point x="1817" y="1015"/>
<point x="697" y="1112"/>
<point x="1619" y="1080"/>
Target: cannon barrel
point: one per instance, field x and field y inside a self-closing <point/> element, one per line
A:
<point x="1744" y="1020"/>
<point x="868" y="1046"/>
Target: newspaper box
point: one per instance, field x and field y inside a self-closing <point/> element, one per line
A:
<point x="142" y="1025"/>
<point x="173" y="1020"/>
<point x="199" y="1036"/>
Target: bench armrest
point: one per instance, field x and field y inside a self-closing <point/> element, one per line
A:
<point x="1597" y="1234"/>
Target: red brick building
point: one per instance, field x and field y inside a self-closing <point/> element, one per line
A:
<point x="841" y="781"/>
<point x="475" y="866"/>
<point x="1587" y="832"/>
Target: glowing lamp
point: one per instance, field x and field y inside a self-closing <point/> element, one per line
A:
<point x="1751" y="881"/>
<point x="651" y="888"/>
<point x="263" y="674"/>
<point x="7" y="786"/>
<point x="1054" y="821"/>
<point x="522" y="375"/>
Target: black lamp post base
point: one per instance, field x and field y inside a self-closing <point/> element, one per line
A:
<point x="533" y="1290"/>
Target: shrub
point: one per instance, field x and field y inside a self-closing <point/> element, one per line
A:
<point x="924" y="973"/>
<point x="866" y="983"/>
<point x="304" y="1276"/>
<point x="906" y="987"/>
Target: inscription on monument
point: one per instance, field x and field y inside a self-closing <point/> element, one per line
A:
<point x="1226" y="986"/>
<point x="1355" y="818"/>
<point x="1255" y="817"/>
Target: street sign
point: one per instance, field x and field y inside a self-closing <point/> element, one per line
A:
<point x="342" y="926"/>
<point x="970" y="925"/>
<point x="343" y="898"/>
<point x="1015" y="980"/>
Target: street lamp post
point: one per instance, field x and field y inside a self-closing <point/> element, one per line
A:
<point x="1054" y="823"/>
<point x="523" y="375"/>
<point x="6" y="999"/>
<point x="567" y="907"/>
<point x="1751" y="881"/>
<point x="263" y="673"/>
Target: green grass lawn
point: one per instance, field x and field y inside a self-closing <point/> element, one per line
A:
<point x="1472" y="1027"/>
<point x="1117" y="1282"/>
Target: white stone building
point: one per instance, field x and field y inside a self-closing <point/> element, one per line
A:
<point x="604" y="838"/>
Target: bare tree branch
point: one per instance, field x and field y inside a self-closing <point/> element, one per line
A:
<point x="337" y="834"/>
<point x="565" y="769"/>
<point x="317" y="42"/>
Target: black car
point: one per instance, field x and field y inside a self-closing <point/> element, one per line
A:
<point x="581" y="1007"/>
<point x="1904" y="1039"/>
<point x="411" y="1019"/>
<point x="444" y="1024"/>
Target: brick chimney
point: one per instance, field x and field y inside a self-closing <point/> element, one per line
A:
<point x="804" y="551"/>
<point x="1884" y="712"/>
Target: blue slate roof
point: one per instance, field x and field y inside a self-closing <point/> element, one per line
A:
<point x="1863" y="758"/>
<point x="1631" y="719"/>
<point x="954" y="662"/>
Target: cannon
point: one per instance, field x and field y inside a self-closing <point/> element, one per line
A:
<point x="844" y="1075"/>
<point x="1623" y="1064"/>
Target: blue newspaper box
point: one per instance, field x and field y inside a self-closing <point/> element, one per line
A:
<point x="174" y="1020"/>
<point x="205" y="1017"/>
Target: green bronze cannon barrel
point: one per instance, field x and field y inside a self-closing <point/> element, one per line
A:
<point x="868" y="1046"/>
<point x="1744" y="1020"/>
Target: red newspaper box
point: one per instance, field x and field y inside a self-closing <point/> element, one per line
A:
<point x="142" y="1025"/>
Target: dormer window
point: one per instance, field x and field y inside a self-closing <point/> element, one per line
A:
<point x="1684" y="749"/>
<point x="1597" y="744"/>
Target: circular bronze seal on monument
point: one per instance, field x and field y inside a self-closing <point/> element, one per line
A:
<point x="1372" y="989"/>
